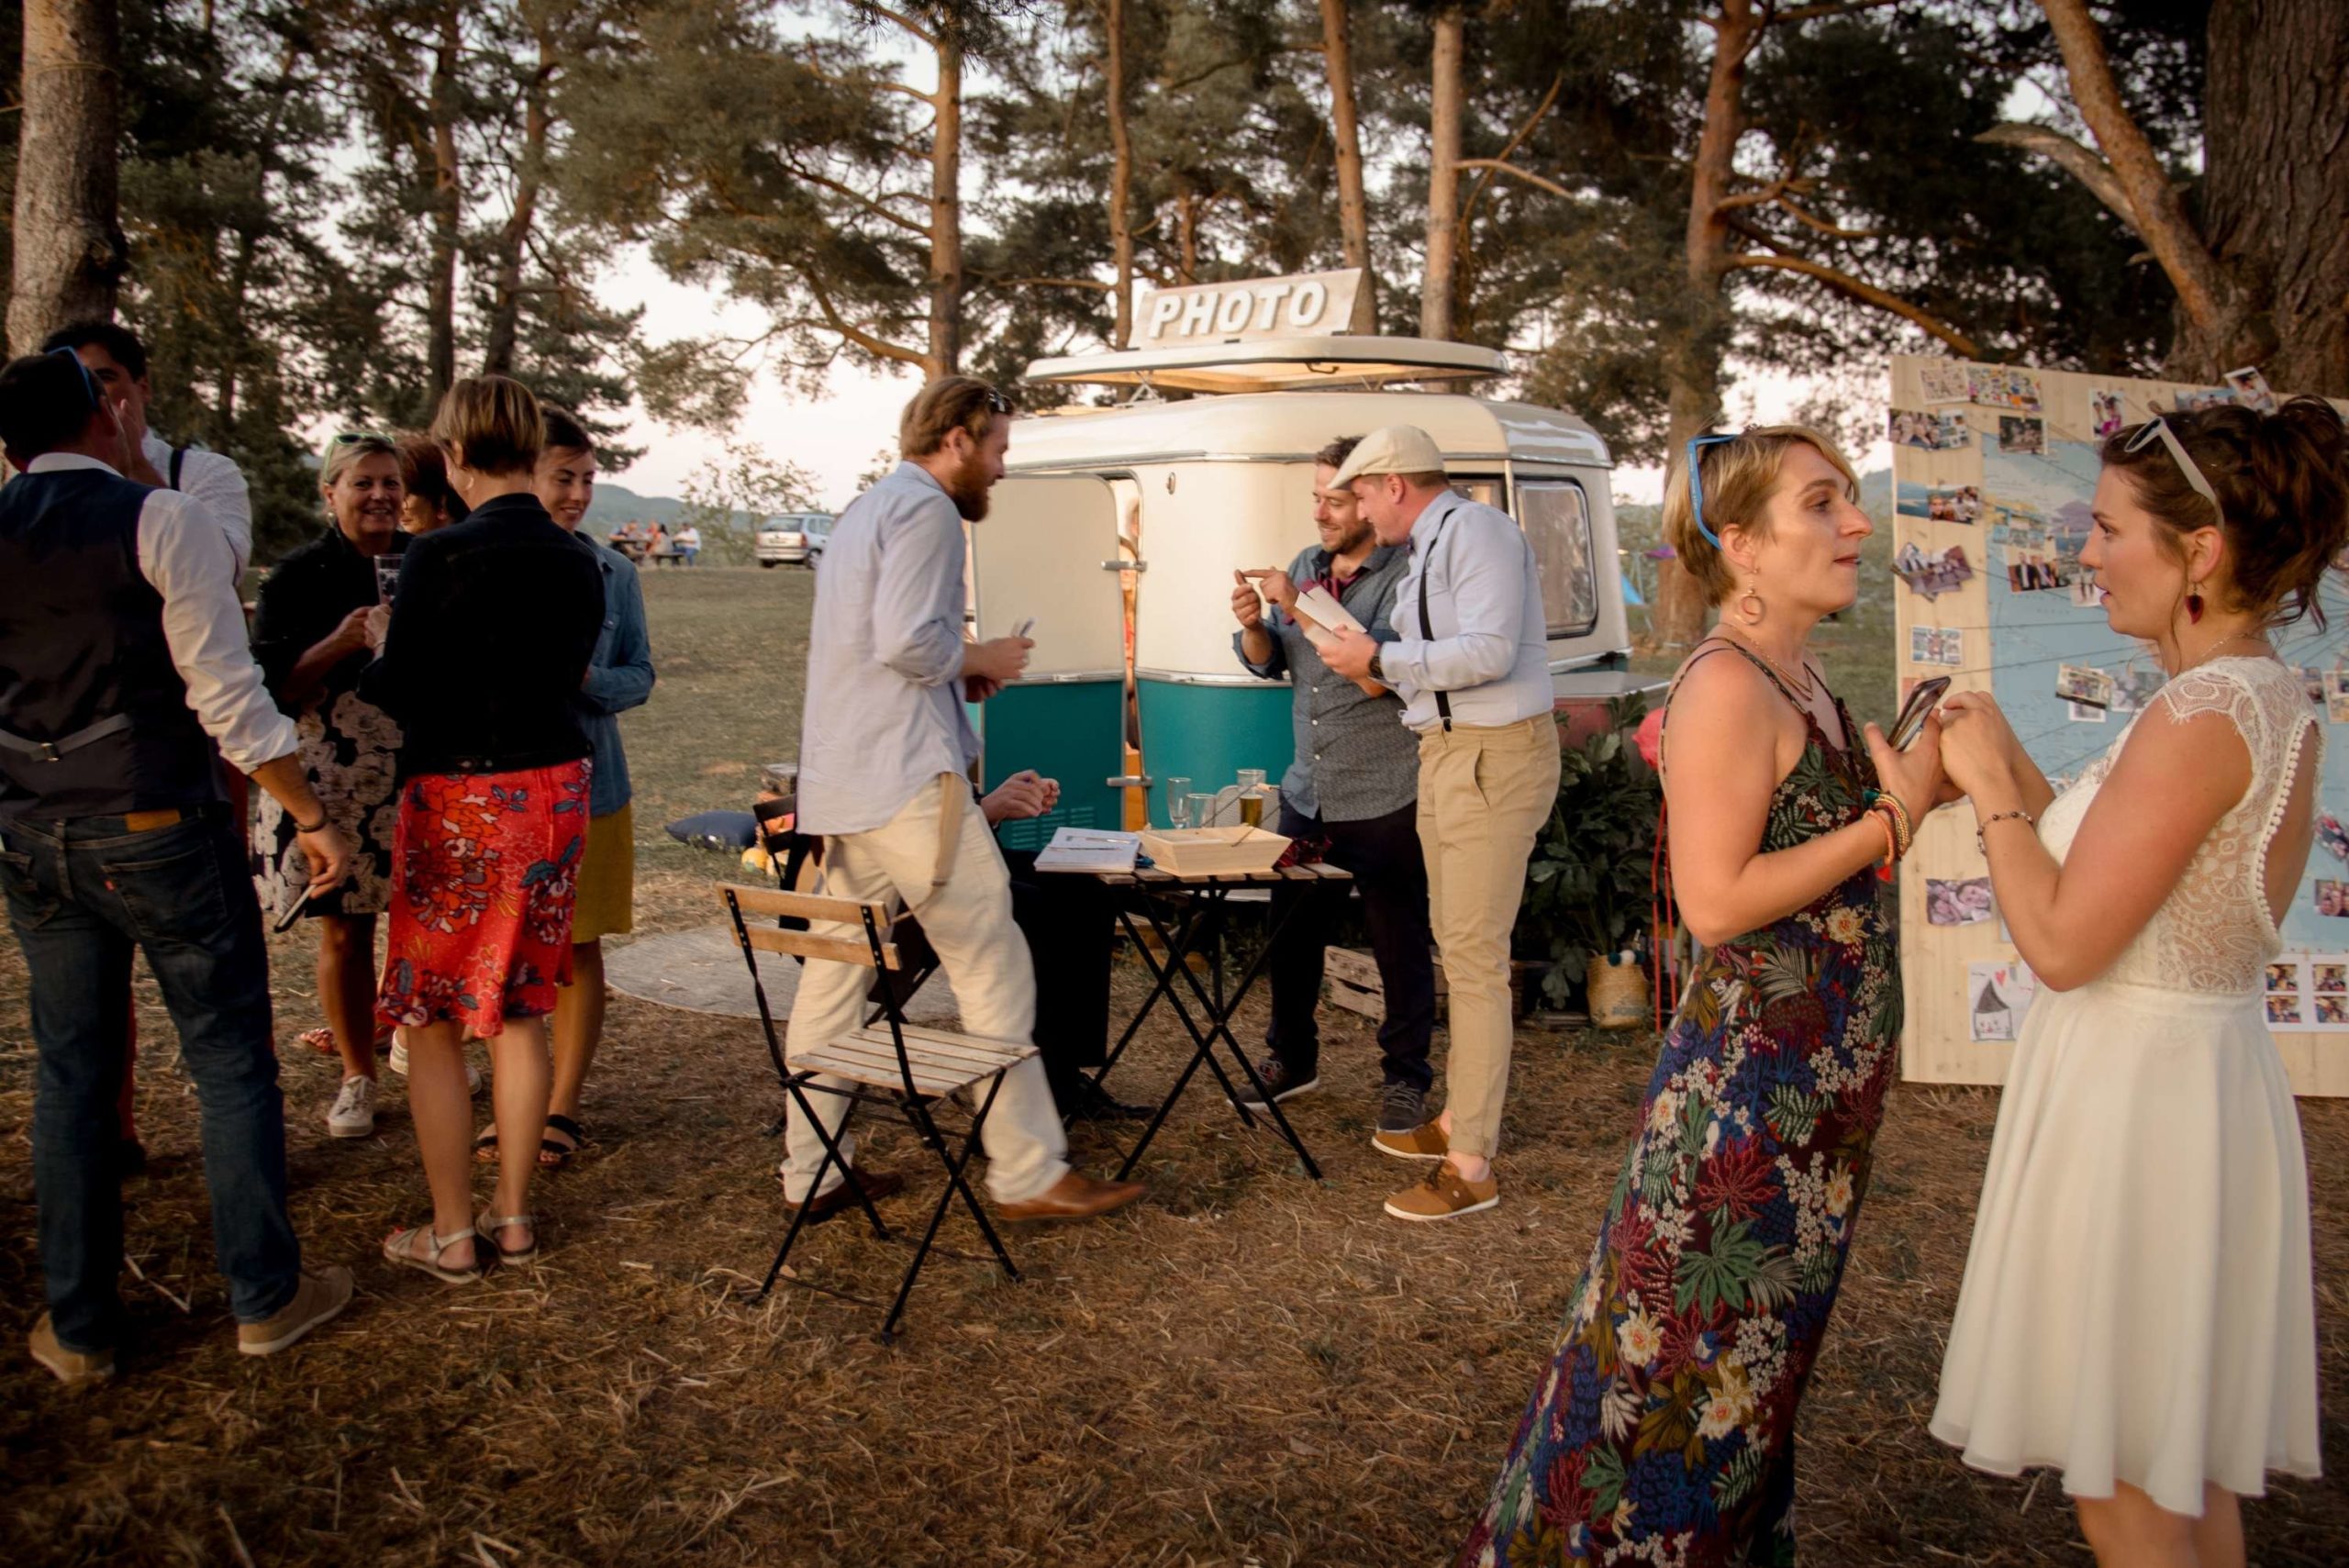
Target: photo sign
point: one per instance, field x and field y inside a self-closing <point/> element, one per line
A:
<point x="1993" y="467"/>
<point x="1305" y="304"/>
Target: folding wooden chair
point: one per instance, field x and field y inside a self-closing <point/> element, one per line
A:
<point x="898" y="1065"/>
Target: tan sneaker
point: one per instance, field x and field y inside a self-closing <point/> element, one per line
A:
<point x="1073" y="1198"/>
<point x="1425" y="1141"/>
<point x="1444" y="1193"/>
<point x="318" y="1298"/>
<point x="73" y="1368"/>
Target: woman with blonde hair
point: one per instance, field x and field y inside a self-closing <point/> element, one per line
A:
<point x="2138" y="1307"/>
<point x="310" y="639"/>
<point x="1663" y="1428"/>
<point x="484" y="650"/>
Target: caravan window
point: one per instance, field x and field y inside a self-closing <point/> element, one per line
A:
<point x="1556" y="517"/>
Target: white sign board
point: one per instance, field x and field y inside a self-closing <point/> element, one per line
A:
<point x="1305" y="305"/>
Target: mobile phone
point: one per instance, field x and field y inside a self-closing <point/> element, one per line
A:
<point x="285" y="921"/>
<point x="1024" y="627"/>
<point x="1915" y="711"/>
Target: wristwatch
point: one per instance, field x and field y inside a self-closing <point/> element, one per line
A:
<point x="1377" y="667"/>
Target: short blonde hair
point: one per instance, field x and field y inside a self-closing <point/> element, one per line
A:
<point x="1738" y="476"/>
<point x="946" y="404"/>
<point x="348" y="446"/>
<point x="493" y="422"/>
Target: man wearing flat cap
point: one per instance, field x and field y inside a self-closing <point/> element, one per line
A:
<point x="1472" y="666"/>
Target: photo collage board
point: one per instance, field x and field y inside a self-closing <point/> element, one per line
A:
<point x="1994" y="468"/>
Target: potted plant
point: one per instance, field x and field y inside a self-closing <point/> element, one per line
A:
<point x="1588" y="886"/>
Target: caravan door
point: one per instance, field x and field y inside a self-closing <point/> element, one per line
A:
<point x="1048" y="552"/>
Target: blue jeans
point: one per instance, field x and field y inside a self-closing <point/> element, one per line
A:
<point x="80" y="895"/>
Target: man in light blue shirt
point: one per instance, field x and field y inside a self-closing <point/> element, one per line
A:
<point x="885" y="754"/>
<point x="1472" y="665"/>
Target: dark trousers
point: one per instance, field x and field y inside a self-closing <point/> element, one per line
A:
<point x="1069" y="923"/>
<point x="1383" y="853"/>
<point x="81" y="896"/>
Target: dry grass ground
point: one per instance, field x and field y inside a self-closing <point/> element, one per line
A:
<point x="1246" y="1367"/>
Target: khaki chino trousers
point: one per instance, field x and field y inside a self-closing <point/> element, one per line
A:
<point x="1484" y="793"/>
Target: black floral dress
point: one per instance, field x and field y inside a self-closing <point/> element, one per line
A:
<point x="1663" y="1429"/>
<point x="349" y="747"/>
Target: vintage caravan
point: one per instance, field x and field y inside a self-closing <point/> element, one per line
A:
<point x="1119" y="528"/>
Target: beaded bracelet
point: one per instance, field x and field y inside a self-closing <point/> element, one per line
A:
<point x="1981" y="844"/>
<point x="1903" y="832"/>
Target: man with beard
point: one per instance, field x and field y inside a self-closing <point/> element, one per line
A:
<point x="1352" y="788"/>
<point x="885" y="754"/>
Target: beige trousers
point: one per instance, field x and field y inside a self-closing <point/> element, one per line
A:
<point x="1483" y="797"/>
<point x="968" y="920"/>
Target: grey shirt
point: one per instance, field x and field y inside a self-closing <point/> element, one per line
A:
<point x="1354" y="759"/>
<point x="885" y="713"/>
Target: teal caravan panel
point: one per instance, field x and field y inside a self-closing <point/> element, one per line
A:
<point x="1065" y="730"/>
<point x="1208" y="734"/>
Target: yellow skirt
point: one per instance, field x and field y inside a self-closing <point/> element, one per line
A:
<point x="607" y="903"/>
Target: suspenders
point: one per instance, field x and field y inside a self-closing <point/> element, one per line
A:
<point x="1427" y="628"/>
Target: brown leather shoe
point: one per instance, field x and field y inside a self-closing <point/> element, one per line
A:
<point x="72" y="1367"/>
<point x="1074" y="1197"/>
<point x="1425" y="1141"/>
<point x="317" y="1298"/>
<point x="876" y="1186"/>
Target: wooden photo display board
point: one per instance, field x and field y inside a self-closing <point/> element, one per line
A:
<point x="1993" y="470"/>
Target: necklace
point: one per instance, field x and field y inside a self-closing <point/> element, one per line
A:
<point x="1803" y="683"/>
<point x="2212" y="653"/>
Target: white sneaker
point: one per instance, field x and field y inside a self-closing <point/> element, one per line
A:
<point x="399" y="1065"/>
<point x="354" y="1108"/>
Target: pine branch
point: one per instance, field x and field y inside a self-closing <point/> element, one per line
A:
<point x="838" y="323"/>
<point x="1865" y="294"/>
<point x="2079" y="161"/>
<point x="1499" y="167"/>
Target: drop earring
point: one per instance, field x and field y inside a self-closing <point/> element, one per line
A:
<point x="1749" y="604"/>
<point x="2194" y="605"/>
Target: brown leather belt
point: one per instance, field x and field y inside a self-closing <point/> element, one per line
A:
<point x="148" y="821"/>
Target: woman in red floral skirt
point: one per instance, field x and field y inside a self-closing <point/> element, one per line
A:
<point x="486" y="644"/>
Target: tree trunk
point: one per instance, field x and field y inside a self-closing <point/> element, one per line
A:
<point x="1676" y="616"/>
<point x="1121" y="177"/>
<point x="1444" y="176"/>
<point x="70" y="252"/>
<point x="2276" y="194"/>
<point x="1354" y="201"/>
<point x="529" y="177"/>
<point x="945" y="354"/>
<point x="1186" y="236"/>
<point x="440" y="278"/>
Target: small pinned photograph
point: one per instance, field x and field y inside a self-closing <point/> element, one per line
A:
<point x="1932" y="577"/>
<point x="1941" y="503"/>
<point x="2329" y="975"/>
<point x="1936" y="645"/>
<point x="1944" y="381"/>
<point x="2337" y="708"/>
<point x="2134" y="687"/>
<point x="2251" y="389"/>
<point x="2000" y="386"/>
<point x="2333" y="899"/>
<point x="2312" y="681"/>
<point x="2330" y="836"/>
<point x="2284" y="1009"/>
<point x="2017" y="434"/>
<point x="2205" y="397"/>
<point x="2033" y="570"/>
<point x="2105" y="415"/>
<point x="1960" y="901"/>
<point x="1997" y="996"/>
<point x="2084" y="685"/>
<point x="2283" y="976"/>
<point x="2332" y="1010"/>
<point x="1929" y="431"/>
<point x="2086" y="594"/>
<point x="2081" y="713"/>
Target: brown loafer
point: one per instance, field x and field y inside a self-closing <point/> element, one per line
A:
<point x="1073" y="1198"/>
<point x="71" y="1367"/>
<point x="875" y="1185"/>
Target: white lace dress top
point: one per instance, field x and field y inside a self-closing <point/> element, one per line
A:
<point x="2213" y="933"/>
<point x="2139" y="1303"/>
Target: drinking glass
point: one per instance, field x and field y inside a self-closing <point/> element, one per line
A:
<point x="1251" y="796"/>
<point x="1202" y="809"/>
<point x="1178" y="802"/>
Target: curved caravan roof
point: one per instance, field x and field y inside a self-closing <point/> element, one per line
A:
<point x="1292" y="426"/>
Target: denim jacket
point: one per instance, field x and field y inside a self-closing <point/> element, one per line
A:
<point x="619" y="677"/>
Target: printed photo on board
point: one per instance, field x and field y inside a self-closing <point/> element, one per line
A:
<point x="2330" y="836"/>
<point x="2330" y="976"/>
<point x="1929" y="431"/>
<point x="1944" y="381"/>
<point x="2285" y="976"/>
<point x="2020" y="435"/>
<point x="1959" y="901"/>
<point x="1932" y="577"/>
<point x="2332" y="1009"/>
<point x="2085" y="684"/>
<point x="2086" y="594"/>
<point x="2105" y="416"/>
<point x="2284" y="1009"/>
<point x="2001" y="387"/>
<point x="2251" y="389"/>
<point x="2332" y="898"/>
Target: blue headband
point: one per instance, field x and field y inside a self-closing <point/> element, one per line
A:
<point x="1696" y="486"/>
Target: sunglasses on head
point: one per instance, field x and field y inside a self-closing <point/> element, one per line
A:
<point x="352" y="437"/>
<point x="89" y="382"/>
<point x="1696" y="446"/>
<point x="997" y="401"/>
<point x="2158" y="427"/>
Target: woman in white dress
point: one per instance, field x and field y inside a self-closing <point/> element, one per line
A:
<point x="2137" y="1308"/>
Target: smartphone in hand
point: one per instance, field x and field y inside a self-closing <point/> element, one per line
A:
<point x="1922" y="701"/>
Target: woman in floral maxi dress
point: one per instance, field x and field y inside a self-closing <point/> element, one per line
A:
<point x="1662" y="1430"/>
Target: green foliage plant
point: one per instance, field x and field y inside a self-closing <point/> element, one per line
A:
<point x="1588" y="886"/>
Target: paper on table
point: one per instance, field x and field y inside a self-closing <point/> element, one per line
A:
<point x="1087" y="848"/>
<point x="1319" y="616"/>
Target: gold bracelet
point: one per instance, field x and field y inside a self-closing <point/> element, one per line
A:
<point x="1904" y="834"/>
<point x="1982" y="844"/>
<point x="1891" y="838"/>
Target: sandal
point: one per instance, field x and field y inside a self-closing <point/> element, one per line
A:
<point x="400" y="1247"/>
<point x="487" y="1225"/>
<point x="554" y="1156"/>
<point x="319" y="1039"/>
<point x="485" y="1146"/>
